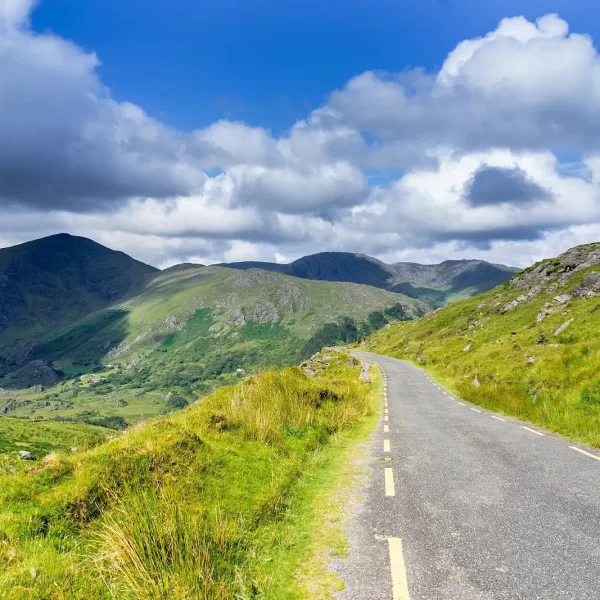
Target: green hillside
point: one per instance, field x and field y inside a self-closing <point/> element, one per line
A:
<point x="190" y="330"/>
<point x="235" y="497"/>
<point x="528" y="348"/>
<point x="434" y="284"/>
<point x="55" y="280"/>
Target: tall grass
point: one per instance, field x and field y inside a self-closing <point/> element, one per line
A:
<point x="206" y="504"/>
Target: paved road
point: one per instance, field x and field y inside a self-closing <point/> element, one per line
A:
<point x="484" y="508"/>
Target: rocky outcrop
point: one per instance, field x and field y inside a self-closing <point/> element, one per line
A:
<point x="589" y="287"/>
<point x="262" y="311"/>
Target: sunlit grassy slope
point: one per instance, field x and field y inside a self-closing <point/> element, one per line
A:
<point x="218" y="501"/>
<point x="191" y="330"/>
<point x="507" y="349"/>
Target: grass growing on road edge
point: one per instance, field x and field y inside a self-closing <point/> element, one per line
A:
<point x="214" y="502"/>
<point x="333" y="489"/>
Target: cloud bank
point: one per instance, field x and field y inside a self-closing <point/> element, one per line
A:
<point x="411" y="165"/>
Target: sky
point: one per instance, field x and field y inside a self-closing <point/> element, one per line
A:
<point x="267" y="130"/>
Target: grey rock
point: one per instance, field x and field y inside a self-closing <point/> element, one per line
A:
<point x="542" y="315"/>
<point x="531" y="360"/>
<point x="562" y="298"/>
<point x="589" y="287"/>
<point x="476" y="382"/>
<point x="24" y="455"/>
<point x="510" y="306"/>
<point x="562" y="327"/>
<point x="467" y="348"/>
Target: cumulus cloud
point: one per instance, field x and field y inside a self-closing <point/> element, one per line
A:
<point x="411" y="165"/>
<point x="524" y="86"/>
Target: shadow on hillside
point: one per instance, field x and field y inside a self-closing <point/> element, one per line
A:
<point x="88" y="342"/>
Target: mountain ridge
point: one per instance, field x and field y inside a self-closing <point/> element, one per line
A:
<point x="435" y="283"/>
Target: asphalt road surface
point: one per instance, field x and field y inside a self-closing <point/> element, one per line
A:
<point x="466" y="504"/>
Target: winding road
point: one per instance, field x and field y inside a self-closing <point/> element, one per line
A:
<point x="466" y="504"/>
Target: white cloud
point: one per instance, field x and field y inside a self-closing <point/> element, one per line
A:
<point x="419" y="165"/>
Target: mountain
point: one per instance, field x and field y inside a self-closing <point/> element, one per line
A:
<point x="528" y="348"/>
<point x="188" y="330"/>
<point x="54" y="280"/>
<point x="435" y="284"/>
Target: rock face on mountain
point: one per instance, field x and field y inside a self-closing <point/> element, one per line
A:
<point x="53" y="280"/>
<point x="435" y="284"/>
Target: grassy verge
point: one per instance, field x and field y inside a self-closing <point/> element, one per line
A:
<point x="219" y="501"/>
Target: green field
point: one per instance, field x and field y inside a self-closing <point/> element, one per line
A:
<point x="505" y="349"/>
<point x="229" y="498"/>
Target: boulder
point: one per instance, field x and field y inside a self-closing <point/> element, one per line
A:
<point x="562" y="298"/>
<point x="24" y="455"/>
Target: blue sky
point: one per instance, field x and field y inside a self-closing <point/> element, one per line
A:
<point x="269" y="62"/>
<point x="233" y="130"/>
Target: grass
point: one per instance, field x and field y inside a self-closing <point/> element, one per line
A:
<point x="220" y="500"/>
<point x="42" y="437"/>
<point x="522" y="368"/>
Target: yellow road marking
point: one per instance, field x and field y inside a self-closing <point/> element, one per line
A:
<point x="498" y="418"/>
<point x="386" y="418"/>
<point x="390" y="490"/>
<point x="532" y="430"/>
<point x="386" y="429"/>
<point x="399" y="582"/>
<point x="584" y="452"/>
<point x="386" y="446"/>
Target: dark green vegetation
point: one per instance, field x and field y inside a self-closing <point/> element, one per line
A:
<point x="434" y="284"/>
<point x="186" y="331"/>
<point x="529" y="348"/>
<point x="218" y="501"/>
<point x="54" y="280"/>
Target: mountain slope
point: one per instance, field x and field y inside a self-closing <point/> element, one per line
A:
<point x="189" y="331"/>
<point x="435" y="284"/>
<point x="54" y="280"/>
<point x="528" y="348"/>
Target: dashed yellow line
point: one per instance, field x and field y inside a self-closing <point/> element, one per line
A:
<point x="390" y="490"/>
<point x="399" y="581"/>
<point x="386" y="446"/>
<point x="386" y="429"/>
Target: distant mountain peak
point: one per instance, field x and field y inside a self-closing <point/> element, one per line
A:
<point x="435" y="283"/>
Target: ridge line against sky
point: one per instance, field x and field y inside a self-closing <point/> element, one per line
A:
<point x="493" y="154"/>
